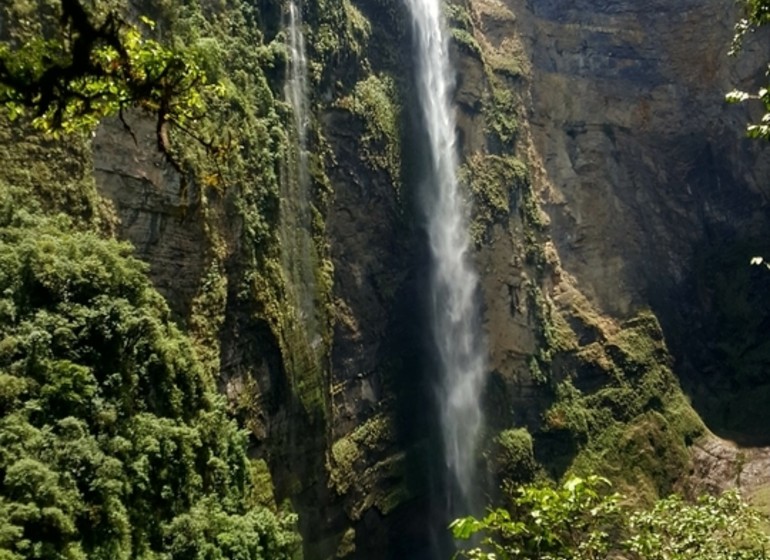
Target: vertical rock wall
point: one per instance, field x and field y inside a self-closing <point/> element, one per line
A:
<point x="601" y="161"/>
<point x="642" y="158"/>
<point x="652" y="189"/>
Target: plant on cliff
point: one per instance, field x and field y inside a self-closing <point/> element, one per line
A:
<point x="113" y="440"/>
<point x="584" y="520"/>
<point x="573" y="521"/>
<point x="756" y="15"/>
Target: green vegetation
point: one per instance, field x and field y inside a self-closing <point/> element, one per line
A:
<point x="554" y="333"/>
<point x="582" y="520"/>
<point x="249" y="119"/>
<point x="347" y="452"/>
<point x="623" y="409"/>
<point x="756" y="15"/>
<point x="231" y="168"/>
<point x="347" y="544"/>
<point x="363" y="467"/>
<point x="375" y="101"/>
<point x="114" y="441"/>
<point x="512" y="458"/>
<point x="501" y="116"/>
<point x="338" y="33"/>
<point x="461" y="27"/>
<point x="56" y="175"/>
<point x="610" y="403"/>
<point x="499" y="103"/>
<point x="495" y="182"/>
<point x="95" y="64"/>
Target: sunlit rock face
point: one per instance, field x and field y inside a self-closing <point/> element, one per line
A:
<point x="151" y="208"/>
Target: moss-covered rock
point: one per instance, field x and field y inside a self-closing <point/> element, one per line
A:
<point x="511" y="458"/>
<point x="349" y="454"/>
<point x="496" y="184"/>
<point x="376" y="102"/>
<point x="631" y="421"/>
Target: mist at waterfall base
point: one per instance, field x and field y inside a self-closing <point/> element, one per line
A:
<point x="454" y="314"/>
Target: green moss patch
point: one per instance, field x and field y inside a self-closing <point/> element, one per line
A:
<point x="495" y="183"/>
<point x="375" y="101"/>
<point x="347" y="453"/>
<point x="511" y="456"/>
<point x="362" y="467"/>
<point x="633" y="424"/>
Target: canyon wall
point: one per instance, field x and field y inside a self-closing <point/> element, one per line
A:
<point x="614" y="201"/>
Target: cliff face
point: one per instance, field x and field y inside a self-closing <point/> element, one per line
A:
<point x="151" y="210"/>
<point x="643" y="160"/>
<point x="654" y="197"/>
<point x="605" y="171"/>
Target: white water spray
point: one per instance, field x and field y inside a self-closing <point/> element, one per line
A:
<point x="455" y="316"/>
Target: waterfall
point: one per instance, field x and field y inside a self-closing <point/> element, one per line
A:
<point x="454" y="309"/>
<point x="296" y="91"/>
<point x="299" y="251"/>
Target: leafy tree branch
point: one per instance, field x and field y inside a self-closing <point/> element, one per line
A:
<point x="96" y="65"/>
<point x="756" y="15"/>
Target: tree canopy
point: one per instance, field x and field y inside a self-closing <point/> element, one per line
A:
<point x="89" y="63"/>
<point x="114" y="443"/>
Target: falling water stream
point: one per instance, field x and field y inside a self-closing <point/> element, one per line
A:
<point x="296" y="218"/>
<point x="296" y="90"/>
<point x="455" y="315"/>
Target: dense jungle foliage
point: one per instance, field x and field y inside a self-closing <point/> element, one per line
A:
<point x="584" y="520"/>
<point x="113" y="441"/>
